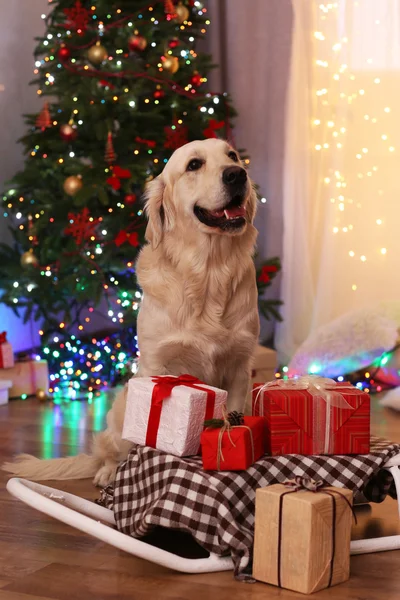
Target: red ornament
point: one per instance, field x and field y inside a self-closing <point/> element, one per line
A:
<point x="64" y="53"/>
<point x="130" y="198"/>
<point x="196" y="80"/>
<point x="137" y="43"/>
<point x="77" y="17"/>
<point x="175" y="136"/>
<point x="67" y="132"/>
<point x="81" y="228"/>
<point x="213" y="126"/>
<point x="159" y="94"/>
<point x="43" y="120"/>
<point x="109" y="154"/>
<point x="174" y="43"/>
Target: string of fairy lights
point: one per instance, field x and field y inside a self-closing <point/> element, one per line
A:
<point x="350" y="132"/>
<point x="92" y="362"/>
<point x="339" y="90"/>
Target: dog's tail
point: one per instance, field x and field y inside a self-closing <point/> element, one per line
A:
<point x="75" y="467"/>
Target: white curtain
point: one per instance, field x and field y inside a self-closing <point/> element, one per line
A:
<point x="254" y="61"/>
<point x="341" y="191"/>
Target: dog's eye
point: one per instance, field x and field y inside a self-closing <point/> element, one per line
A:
<point x="232" y="155"/>
<point x="194" y="165"/>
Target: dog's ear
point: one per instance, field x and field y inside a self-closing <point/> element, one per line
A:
<point x="155" y="211"/>
<point x="251" y="206"/>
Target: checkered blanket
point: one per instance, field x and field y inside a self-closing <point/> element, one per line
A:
<point x="157" y="489"/>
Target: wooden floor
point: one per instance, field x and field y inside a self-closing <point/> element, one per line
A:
<point x="44" y="559"/>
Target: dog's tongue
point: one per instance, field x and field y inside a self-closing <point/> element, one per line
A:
<point x="236" y="211"/>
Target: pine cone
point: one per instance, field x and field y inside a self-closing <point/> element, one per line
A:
<point x="235" y="418"/>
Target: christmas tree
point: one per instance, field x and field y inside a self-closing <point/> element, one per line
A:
<point x="123" y="86"/>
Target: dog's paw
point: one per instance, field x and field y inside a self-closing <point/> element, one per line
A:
<point x="105" y="475"/>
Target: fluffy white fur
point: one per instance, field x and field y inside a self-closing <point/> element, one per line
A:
<point x="391" y="399"/>
<point x="199" y="311"/>
<point x="348" y="343"/>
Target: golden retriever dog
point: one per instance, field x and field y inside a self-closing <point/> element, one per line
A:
<point x="199" y="309"/>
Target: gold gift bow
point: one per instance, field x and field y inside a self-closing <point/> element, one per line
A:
<point x="324" y="394"/>
<point x="227" y="428"/>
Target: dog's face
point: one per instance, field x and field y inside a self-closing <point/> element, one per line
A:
<point x="203" y="186"/>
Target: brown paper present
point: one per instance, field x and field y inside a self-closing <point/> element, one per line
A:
<point x="302" y="538"/>
<point x="264" y="365"/>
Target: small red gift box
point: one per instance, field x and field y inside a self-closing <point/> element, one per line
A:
<point x="235" y="448"/>
<point x="6" y="352"/>
<point x="313" y="415"/>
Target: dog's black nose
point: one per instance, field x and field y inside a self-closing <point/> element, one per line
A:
<point x="234" y="176"/>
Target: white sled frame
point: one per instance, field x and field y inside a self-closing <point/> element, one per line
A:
<point x="99" y="522"/>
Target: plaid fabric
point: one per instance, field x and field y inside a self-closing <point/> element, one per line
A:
<point x="217" y="508"/>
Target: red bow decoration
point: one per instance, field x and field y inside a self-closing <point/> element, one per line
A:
<point x="265" y="276"/>
<point x="118" y="174"/>
<point x="123" y="236"/>
<point x="213" y="126"/>
<point x="149" y="143"/>
<point x="3" y="337"/>
<point x="162" y="390"/>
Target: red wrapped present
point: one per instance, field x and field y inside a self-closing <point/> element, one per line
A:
<point x="234" y="448"/>
<point x="313" y="415"/>
<point x="6" y="352"/>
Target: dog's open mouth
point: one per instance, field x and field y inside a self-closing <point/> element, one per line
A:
<point x="231" y="216"/>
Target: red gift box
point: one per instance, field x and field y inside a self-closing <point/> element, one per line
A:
<point x="314" y="416"/>
<point x="234" y="448"/>
<point x="6" y="352"/>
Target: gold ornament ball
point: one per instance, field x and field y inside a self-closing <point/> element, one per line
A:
<point x="171" y="64"/>
<point x="182" y="13"/>
<point x="97" y="53"/>
<point x="28" y="259"/>
<point x="72" y="185"/>
<point x="41" y="395"/>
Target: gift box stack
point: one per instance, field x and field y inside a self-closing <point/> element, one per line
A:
<point x="25" y="377"/>
<point x="302" y="529"/>
<point x="183" y="416"/>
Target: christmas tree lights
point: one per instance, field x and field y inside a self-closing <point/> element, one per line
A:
<point x="123" y="86"/>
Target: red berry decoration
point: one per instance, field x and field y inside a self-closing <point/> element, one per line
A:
<point x="174" y="43"/>
<point x="159" y="94"/>
<point x="137" y="43"/>
<point x="130" y="198"/>
<point x="196" y="79"/>
<point x="67" y="132"/>
<point x="64" y="53"/>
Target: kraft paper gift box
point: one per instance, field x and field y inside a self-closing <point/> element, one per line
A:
<point x="234" y="448"/>
<point x="27" y="377"/>
<point x="264" y="365"/>
<point x="168" y="413"/>
<point x="6" y="352"/>
<point x="314" y="415"/>
<point x="302" y="539"/>
<point x="4" y="387"/>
